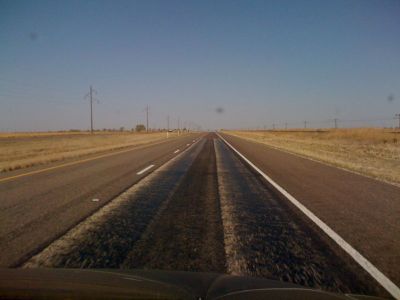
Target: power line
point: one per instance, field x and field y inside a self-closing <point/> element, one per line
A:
<point x="25" y="85"/>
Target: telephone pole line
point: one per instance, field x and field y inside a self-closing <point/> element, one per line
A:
<point x="398" y="117"/>
<point x="305" y="124"/>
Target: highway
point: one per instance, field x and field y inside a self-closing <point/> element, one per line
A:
<point x="37" y="208"/>
<point x="202" y="203"/>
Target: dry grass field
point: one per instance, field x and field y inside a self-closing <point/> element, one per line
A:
<point x="22" y="150"/>
<point x="373" y="152"/>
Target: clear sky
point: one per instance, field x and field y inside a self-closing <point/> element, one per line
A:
<point x="262" y="62"/>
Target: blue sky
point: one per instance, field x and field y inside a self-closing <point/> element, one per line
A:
<point x="263" y="62"/>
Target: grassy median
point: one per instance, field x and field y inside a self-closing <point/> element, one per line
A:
<point x="373" y="152"/>
<point x="22" y="150"/>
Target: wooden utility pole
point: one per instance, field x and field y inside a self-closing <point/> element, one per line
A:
<point x="336" y="122"/>
<point x="91" y="99"/>
<point x="147" y="118"/>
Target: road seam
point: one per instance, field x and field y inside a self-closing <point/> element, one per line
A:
<point x="360" y="259"/>
<point x="235" y="262"/>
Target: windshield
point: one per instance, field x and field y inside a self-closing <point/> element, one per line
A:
<point x="248" y="138"/>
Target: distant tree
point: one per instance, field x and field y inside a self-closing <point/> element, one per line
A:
<point x="122" y="128"/>
<point x="140" y="127"/>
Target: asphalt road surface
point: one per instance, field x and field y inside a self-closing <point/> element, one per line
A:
<point x="202" y="208"/>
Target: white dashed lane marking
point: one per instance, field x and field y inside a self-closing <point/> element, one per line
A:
<point x="145" y="169"/>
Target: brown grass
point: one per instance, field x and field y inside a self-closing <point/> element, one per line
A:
<point x="22" y="150"/>
<point x="374" y="152"/>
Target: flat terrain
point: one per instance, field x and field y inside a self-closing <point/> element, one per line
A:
<point x="374" y="152"/>
<point x="192" y="204"/>
<point x="23" y="150"/>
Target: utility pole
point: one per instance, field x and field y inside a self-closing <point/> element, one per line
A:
<point x="147" y="118"/>
<point x="91" y="99"/>
<point x="285" y="126"/>
<point x="167" y="126"/>
<point x="273" y="126"/>
<point x="179" y="126"/>
<point x="91" y="110"/>
<point x="305" y="124"/>
<point x="398" y="117"/>
<point x="336" y="121"/>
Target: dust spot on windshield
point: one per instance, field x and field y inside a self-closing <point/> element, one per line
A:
<point x="33" y="36"/>
<point x="219" y="110"/>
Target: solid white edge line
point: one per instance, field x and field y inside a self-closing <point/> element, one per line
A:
<point x="393" y="289"/>
<point x="144" y="170"/>
<point x="176" y="151"/>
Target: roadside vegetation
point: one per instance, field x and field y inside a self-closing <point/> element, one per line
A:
<point x="22" y="150"/>
<point x="374" y="152"/>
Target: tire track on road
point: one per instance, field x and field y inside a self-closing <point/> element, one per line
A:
<point x="188" y="235"/>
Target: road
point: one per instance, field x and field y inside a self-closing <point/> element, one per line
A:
<point x="38" y="208"/>
<point x="202" y="208"/>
